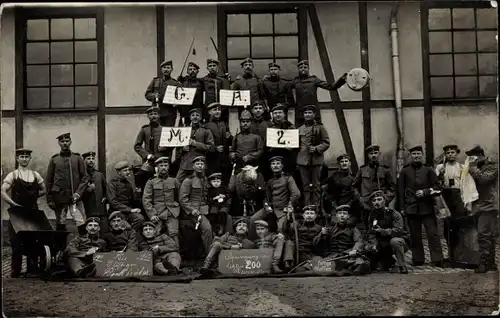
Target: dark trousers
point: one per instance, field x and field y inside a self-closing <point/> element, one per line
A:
<point x="310" y="176"/>
<point x="417" y="248"/>
<point x="487" y="233"/>
<point x="452" y="224"/>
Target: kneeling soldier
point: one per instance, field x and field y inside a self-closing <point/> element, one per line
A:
<point x="166" y="257"/>
<point x="80" y="251"/>
<point x="271" y="240"/>
<point x="120" y="237"/>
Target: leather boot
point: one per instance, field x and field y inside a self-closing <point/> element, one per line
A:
<point x="275" y="269"/>
<point x="160" y="269"/>
<point x="403" y="269"/>
<point x="85" y="271"/>
<point x="207" y="265"/>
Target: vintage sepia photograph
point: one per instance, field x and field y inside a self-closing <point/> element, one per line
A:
<point x="250" y="158"/>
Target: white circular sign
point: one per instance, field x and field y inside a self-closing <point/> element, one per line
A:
<point x="357" y="79"/>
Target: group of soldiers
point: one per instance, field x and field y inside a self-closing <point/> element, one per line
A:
<point x="221" y="177"/>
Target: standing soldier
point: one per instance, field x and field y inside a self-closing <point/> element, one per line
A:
<point x="200" y="143"/>
<point x="214" y="82"/>
<point x="259" y="127"/>
<point x="156" y="92"/>
<point x="249" y="81"/>
<point x="277" y="89"/>
<point x="314" y="141"/>
<point x="415" y="184"/>
<point x="290" y="154"/>
<point x="306" y="90"/>
<point x="26" y="187"/>
<point x="192" y="81"/>
<point x="66" y="180"/>
<point x="218" y="159"/>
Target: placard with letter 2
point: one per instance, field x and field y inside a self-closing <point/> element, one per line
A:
<point x="245" y="262"/>
<point x="234" y="98"/>
<point x="124" y="264"/>
<point x="175" y="136"/>
<point x="282" y="138"/>
<point x="176" y="95"/>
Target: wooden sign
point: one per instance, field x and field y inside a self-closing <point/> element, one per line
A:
<point x="245" y="262"/>
<point x="282" y="138"/>
<point x="322" y="267"/>
<point x="124" y="264"/>
<point x="175" y="136"/>
<point x="176" y="95"/>
<point x="234" y="98"/>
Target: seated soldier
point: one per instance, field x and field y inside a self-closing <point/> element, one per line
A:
<point x="219" y="202"/>
<point x="229" y="242"/>
<point x="271" y="240"/>
<point x="166" y="257"/>
<point x="79" y="253"/>
<point x="120" y="237"/>
<point x="342" y="237"/>
<point x="386" y="235"/>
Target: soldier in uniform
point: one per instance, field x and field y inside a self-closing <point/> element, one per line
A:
<point x="214" y="82"/>
<point x="120" y="238"/>
<point x="156" y="92"/>
<point x="218" y="159"/>
<point x="373" y="176"/>
<point x="306" y="90"/>
<point x="314" y="141"/>
<point x="277" y="89"/>
<point x="415" y="184"/>
<point x="159" y="200"/>
<point x="192" y="81"/>
<point x="259" y="127"/>
<point x="122" y="195"/>
<point x="201" y="142"/>
<point x="271" y="240"/>
<point x="249" y="81"/>
<point x="66" y="180"/>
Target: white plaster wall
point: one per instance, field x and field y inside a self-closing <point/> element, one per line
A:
<point x="7" y="59"/>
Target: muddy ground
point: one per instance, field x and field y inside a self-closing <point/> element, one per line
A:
<point x="463" y="293"/>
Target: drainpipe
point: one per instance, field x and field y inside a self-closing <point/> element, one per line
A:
<point x="397" y="89"/>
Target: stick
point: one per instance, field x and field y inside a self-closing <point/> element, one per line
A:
<point x="218" y="55"/>
<point x="187" y="56"/>
<point x="296" y="235"/>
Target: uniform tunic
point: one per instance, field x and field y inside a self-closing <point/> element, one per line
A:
<point x="168" y="249"/>
<point x="78" y="246"/>
<point x="147" y="142"/>
<point x="158" y="85"/>
<point x="219" y="161"/>
<point x="94" y="194"/>
<point x="190" y="82"/>
<point x="289" y="156"/>
<point x="247" y="144"/>
<point x="122" y="197"/>
<point x="281" y="192"/>
<point x="277" y="90"/>
<point x="252" y="83"/>
<point x="308" y="235"/>
<point x="340" y="238"/>
<point x="204" y="142"/>
<point x="117" y="240"/>
<point x="374" y="177"/>
<point x="271" y="240"/>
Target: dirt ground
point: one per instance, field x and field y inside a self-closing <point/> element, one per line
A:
<point x="463" y="293"/>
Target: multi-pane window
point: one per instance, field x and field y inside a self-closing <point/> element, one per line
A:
<point x="264" y="37"/>
<point x="61" y="63"/>
<point x="462" y="53"/>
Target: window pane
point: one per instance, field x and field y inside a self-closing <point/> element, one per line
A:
<point x="37" y="75"/>
<point x="465" y="64"/>
<point x="37" y="53"/>
<point x="285" y="23"/>
<point x="439" y="42"/>
<point x="442" y="87"/>
<point x="86" y="96"/>
<point x="286" y="46"/>
<point x="62" y="97"/>
<point x="463" y="18"/>
<point x="261" y="67"/>
<point x="439" y="19"/>
<point x="466" y="86"/>
<point x="85" y="28"/>
<point x="61" y="52"/>
<point x="487" y="63"/>
<point x="238" y="48"/>
<point x="464" y="41"/>
<point x="441" y="64"/>
<point x="61" y="29"/>
<point x="61" y="75"/>
<point x="37" y="98"/>
<point x="237" y="24"/>
<point x="486" y="41"/>
<point x="488" y="86"/>
<point x="486" y="18"/>
<point x="86" y="74"/>
<point x="288" y="68"/>
<point x="261" y="23"/>
<point x="86" y="51"/>
<point x="38" y="30"/>
<point x="262" y="47"/>
<point x="234" y="68"/>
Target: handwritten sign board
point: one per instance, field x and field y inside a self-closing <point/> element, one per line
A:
<point x="245" y="262"/>
<point x="322" y="267"/>
<point x="234" y="98"/>
<point x="175" y="136"/>
<point x="176" y="95"/>
<point x="126" y="264"/>
<point x="282" y="138"/>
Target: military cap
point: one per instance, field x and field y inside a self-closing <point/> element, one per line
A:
<point x="261" y="223"/>
<point x="92" y="219"/>
<point x="216" y="175"/>
<point x="241" y="219"/>
<point x="64" y="136"/>
<point x="198" y="158"/>
<point x="451" y="147"/>
<point x="310" y="207"/>
<point x="279" y="158"/>
<point x="195" y="110"/>
<point x="416" y="148"/>
<point x="249" y="60"/>
<point x="23" y="151"/>
<point x="162" y="159"/>
<point x="343" y="207"/>
<point x="114" y="215"/>
<point x="148" y="223"/>
<point x="88" y="154"/>
<point x="310" y="107"/>
<point x="274" y="65"/>
<point x="212" y="61"/>
<point x="372" y="148"/>
<point x="257" y="103"/>
<point x="166" y="63"/>
<point x="194" y="65"/>
<point x="213" y="105"/>
<point x="121" y="165"/>
<point x="278" y="106"/>
<point x="152" y="108"/>
<point x="377" y="193"/>
<point x="246" y="114"/>
<point x="343" y="156"/>
<point x="305" y="62"/>
<point x="476" y="151"/>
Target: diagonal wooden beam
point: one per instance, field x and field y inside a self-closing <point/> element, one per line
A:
<point x="327" y="68"/>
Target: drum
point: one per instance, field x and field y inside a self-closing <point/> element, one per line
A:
<point x="357" y="79"/>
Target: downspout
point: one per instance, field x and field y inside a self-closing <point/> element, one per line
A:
<point x="397" y="89"/>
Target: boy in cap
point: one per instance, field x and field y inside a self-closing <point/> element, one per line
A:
<point x="120" y="238"/>
<point x="214" y="81"/>
<point x="238" y="240"/>
<point x="166" y="257"/>
<point x="314" y="141"/>
<point x="66" y="180"/>
<point x="218" y="157"/>
<point x="191" y="80"/>
<point x="271" y="240"/>
<point x="94" y="196"/>
<point x="79" y="253"/>
<point x="219" y="203"/>
<point x="156" y="92"/>
<point x="277" y="89"/>
<point x="249" y="81"/>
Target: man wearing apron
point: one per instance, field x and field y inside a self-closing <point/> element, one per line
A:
<point x="26" y="187"/>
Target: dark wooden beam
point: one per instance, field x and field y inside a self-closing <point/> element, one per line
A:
<point x="101" y="96"/>
<point x="327" y="68"/>
<point x="365" y="63"/>
<point x="160" y="37"/>
<point x="221" y="37"/>
<point x="428" y="120"/>
<point x="302" y="25"/>
<point x="20" y="36"/>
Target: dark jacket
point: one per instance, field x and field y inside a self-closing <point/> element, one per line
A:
<point x="252" y="83"/>
<point x="212" y="85"/>
<point x="340" y="238"/>
<point x="227" y="240"/>
<point x="147" y="142"/>
<point x="289" y="156"/>
<point x="121" y="194"/>
<point x="312" y="135"/>
<point x="306" y="89"/>
<point x="160" y="195"/>
<point x="204" y="144"/>
<point x="94" y="194"/>
<point x="259" y="127"/>
<point x="117" y="240"/>
<point x="198" y="83"/>
<point x="277" y="90"/>
<point x="247" y="144"/>
<point x="159" y="85"/>
<point x="370" y="178"/>
<point x="281" y="191"/>
<point x="414" y="177"/>
<point x="486" y="184"/>
<point x="391" y="221"/>
<point x="213" y="198"/>
<point x="340" y="188"/>
<point x="307" y="235"/>
<point x="80" y="244"/>
<point x="271" y="240"/>
<point x="217" y="160"/>
<point x="165" y="243"/>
